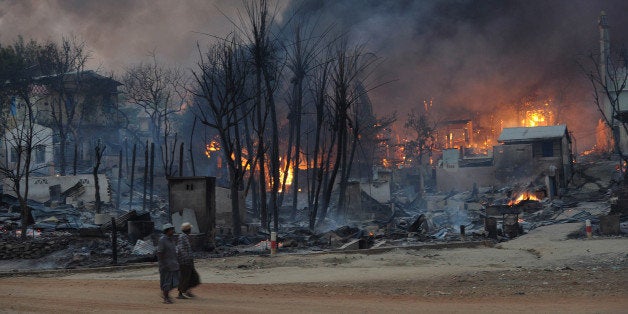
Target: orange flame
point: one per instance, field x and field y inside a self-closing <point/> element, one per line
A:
<point x="538" y="117"/>
<point x="525" y="196"/>
<point x="213" y="146"/>
<point x="289" y="177"/>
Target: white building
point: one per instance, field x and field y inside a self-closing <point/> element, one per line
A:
<point x="42" y="154"/>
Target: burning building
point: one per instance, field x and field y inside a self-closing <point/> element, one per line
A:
<point x="535" y="152"/>
<point x="455" y="134"/>
<point x="525" y="154"/>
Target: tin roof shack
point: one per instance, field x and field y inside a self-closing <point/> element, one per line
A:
<point x="534" y="152"/>
<point x="197" y="194"/>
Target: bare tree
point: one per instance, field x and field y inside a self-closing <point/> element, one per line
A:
<point x="422" y="143"/>
<point x="349" y="67"/>
<point x="99" y="150"/>
<point x="160" y="92"/>
<point x="23" y="137"/>
<point x="221" y="80"/>
<point x="256" y="27"/>
<point x="64" y="78"/>
<point x="303" y="51"/>
<point x="317" y="159"/>
<point x="608" y="77"/>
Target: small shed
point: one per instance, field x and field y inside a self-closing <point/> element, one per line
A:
<point x="197" y="194"/>
<point x="534" y="152"/>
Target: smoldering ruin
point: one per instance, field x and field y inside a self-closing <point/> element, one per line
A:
<point x="321" y="138"/>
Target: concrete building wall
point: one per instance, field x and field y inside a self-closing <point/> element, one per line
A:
<point x="39" y="187"/>
<point x="224" y="209"/>
<point x="462" y="179"/>
<point x="512" y="161"/>
<point x="377" y="189"/>
<point x="354" y="200"/>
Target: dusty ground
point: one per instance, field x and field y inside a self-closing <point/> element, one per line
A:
<point x="539" y="272"/>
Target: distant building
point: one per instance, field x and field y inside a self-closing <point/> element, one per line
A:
<point x="97" y="116"/>
<point x="41" y="161"/>
<point x="455" y="134"/>
<point x="526" y="154"/>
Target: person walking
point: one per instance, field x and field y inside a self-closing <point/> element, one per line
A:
<point x="189" y="276"/>
<point x="168" y="262"/>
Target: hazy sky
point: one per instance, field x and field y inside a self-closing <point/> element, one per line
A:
<point x="470" y="57"/>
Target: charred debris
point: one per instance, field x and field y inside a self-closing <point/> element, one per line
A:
<point x="67" y="232"/>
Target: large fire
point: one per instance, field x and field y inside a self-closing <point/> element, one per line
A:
<point x="525" y="196"/>
<point x="289" y="177"/>
<point x="538" y="117"/>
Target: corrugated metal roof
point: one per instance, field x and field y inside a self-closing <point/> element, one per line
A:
<point x="532" y="133"/>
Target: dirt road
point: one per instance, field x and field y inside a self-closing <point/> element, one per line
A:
<point x="539" y="272"/>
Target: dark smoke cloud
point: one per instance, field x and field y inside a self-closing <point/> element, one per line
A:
<point x="470" y="57"/>
<point x="475" y="57"/>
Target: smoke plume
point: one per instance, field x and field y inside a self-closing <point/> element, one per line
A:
<point x="471" y="57"/>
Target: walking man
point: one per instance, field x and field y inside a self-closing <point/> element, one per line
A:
<point x="189" y="276"/>
<point x="168" y="264"/>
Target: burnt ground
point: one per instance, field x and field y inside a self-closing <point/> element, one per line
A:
<point x="543" y="271"/>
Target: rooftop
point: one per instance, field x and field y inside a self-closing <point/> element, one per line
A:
<point x="532" y="133"/>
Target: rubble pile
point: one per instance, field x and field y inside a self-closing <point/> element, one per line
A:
<point x="14" y="248"/>
<point x="405" y="219"/>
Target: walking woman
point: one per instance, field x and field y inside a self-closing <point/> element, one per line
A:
<point x="189" y="276"/>
<point x="168" y="264"/>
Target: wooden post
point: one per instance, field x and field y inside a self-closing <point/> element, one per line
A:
<point x="181" y="160"/>
<point x="75" y="157"/>
<point x="145" y="177"/>
<point x="191" y="152"/>
<point x="119" y="180"/>
<point x="152" y="176"/>
<point x="132" y="176"/>
<point x="114" y="242"/>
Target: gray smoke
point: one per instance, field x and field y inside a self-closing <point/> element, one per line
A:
<point x="470" y="56"/>
<point x="121" y="32"/>
<point x="476" y="57"/>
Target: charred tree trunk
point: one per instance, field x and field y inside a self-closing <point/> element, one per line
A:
<point x="286" y="168"/>
<point x="62" y="147"/>
<point x="99" y="150"/>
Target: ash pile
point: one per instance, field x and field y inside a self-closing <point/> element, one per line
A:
<point x="595" y="195"/>
<point x="66" y="230"/>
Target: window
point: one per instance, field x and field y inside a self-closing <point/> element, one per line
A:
<point x="40" y="154"/>
<point x="547" y="149"/>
